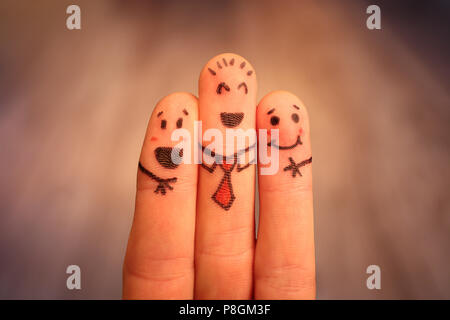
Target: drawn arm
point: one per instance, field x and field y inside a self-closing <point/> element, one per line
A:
<point x="209" y="169"/>
<point x="162" y="183"/>
<point x="239" y="168"/>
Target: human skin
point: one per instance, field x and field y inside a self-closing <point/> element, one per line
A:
<point x="284" y="257"/>
<point x="159" y="262"/>
<point x="193" y="236"/>
<point x="224" y="239"/>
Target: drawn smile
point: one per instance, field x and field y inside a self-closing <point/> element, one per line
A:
<point x="231" y="120"/>
<point x="164" y="157"/>
<point x="298" y="142"/>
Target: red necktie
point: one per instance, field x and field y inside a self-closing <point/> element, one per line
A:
<point x="224" y="196"/>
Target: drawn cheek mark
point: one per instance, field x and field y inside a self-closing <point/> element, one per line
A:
<point x="300" y="131"/>
<point x="153" y="139"/>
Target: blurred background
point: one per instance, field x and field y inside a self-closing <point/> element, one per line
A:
<point x="74" y="107"/>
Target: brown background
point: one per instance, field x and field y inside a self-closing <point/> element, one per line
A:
<point x="74" y="108"/>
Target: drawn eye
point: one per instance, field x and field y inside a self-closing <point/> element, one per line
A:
<point x="222" y="85"/>
<point x="295" y="117"/>
<point x="243" y="84"/>
<point x="274" y="120"/>
<point x="163" y="124"/>
<point x="179" y="123"/>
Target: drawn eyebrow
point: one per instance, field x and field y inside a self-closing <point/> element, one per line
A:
<point x="271" y="111"/>
<point x="225" y="62"/>
<point x="242" y="65"/>
<point x="296" y="107"/>
<point x="159" y="113"/>
<point x="219" y="65"/>
<point x="185" y="112"/>
<point x="232" y="61"/>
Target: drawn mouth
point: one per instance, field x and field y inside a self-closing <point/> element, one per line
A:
<point x="297" y="142"/>
<point x="164" y="157"/>
<point x="231" y="120"/>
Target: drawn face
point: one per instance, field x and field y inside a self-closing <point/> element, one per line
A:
<point x="288" y="119"/>
<point x="162" y="151"/>
<point x="233" y="82"/>
<point x="166" y="123"/>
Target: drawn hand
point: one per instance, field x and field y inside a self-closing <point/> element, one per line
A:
<point x="185" y="245"/>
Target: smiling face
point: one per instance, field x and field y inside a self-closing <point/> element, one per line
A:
<point x="228" y="83"/>
<point x="176" y="111"/>
<point x="282" y="111"/>
<point x="275" y="123"/>
<point x="164" y="154"/>
<point x="238" y="84"/>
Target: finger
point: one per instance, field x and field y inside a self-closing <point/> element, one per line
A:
<point x="284" y="257"/>
<point x="224" y="243"/>
<point x="159" y="262"/>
